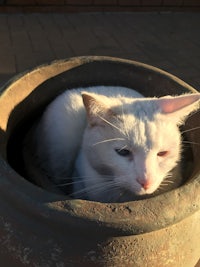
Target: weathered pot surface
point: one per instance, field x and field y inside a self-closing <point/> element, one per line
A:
<point x="40" y="228"/>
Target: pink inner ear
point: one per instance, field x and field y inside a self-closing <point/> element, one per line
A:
<point x="173" y="104"/>
<point x="167" y="105"/>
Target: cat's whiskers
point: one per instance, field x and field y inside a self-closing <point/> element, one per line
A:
<point x="168" y="176"/>
<point x="112" y="125"/>
<point x="109" y="140"/>
<point x="69" y="183"/>
<point x="101" y="187"/>
<point x="193" y="113"/>
<point x="109" y="185"/>
<point x="166" y="182"/>
<point x="191" y="143"/>
<point x="192" y="129"/>
<point x="77" y="180"/>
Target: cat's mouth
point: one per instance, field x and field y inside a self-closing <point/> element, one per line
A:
<point x="139" y="189"/>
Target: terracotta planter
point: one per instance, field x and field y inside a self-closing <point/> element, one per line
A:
<point x="39" y="228"/>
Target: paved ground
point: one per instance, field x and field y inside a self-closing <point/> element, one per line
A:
<point x="170" y="41"/>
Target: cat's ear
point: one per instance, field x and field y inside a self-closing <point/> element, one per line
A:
<point x="179" y="107"/>
<point x="98" y="112"/>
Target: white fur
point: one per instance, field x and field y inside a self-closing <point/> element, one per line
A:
<point x="117" y="118"/>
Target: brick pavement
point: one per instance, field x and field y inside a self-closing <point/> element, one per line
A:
<point x="170" y="41"/>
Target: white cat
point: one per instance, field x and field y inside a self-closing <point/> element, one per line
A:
<point x="113" y="143"/>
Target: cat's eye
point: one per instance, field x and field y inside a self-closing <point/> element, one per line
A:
<point x="162" y="153"/>
<point x="123" y="152"/>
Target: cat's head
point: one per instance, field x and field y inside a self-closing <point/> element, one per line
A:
<point x="133" y="143"/>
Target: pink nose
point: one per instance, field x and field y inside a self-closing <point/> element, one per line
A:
<point x="144" y="183"/>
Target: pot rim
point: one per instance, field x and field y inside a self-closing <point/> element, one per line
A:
<point x="119" y="218"/>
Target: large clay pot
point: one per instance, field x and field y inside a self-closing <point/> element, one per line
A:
<point x="39" y="228"/>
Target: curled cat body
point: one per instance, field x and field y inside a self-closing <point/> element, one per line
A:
<point x="111" y="143"/>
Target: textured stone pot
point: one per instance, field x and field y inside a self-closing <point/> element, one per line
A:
<point x="39" y="228"/>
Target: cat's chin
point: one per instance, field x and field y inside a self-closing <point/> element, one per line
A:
<point x="142" y="192"/>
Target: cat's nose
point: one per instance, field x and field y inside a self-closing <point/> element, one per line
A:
<point x="146" y="184"/>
